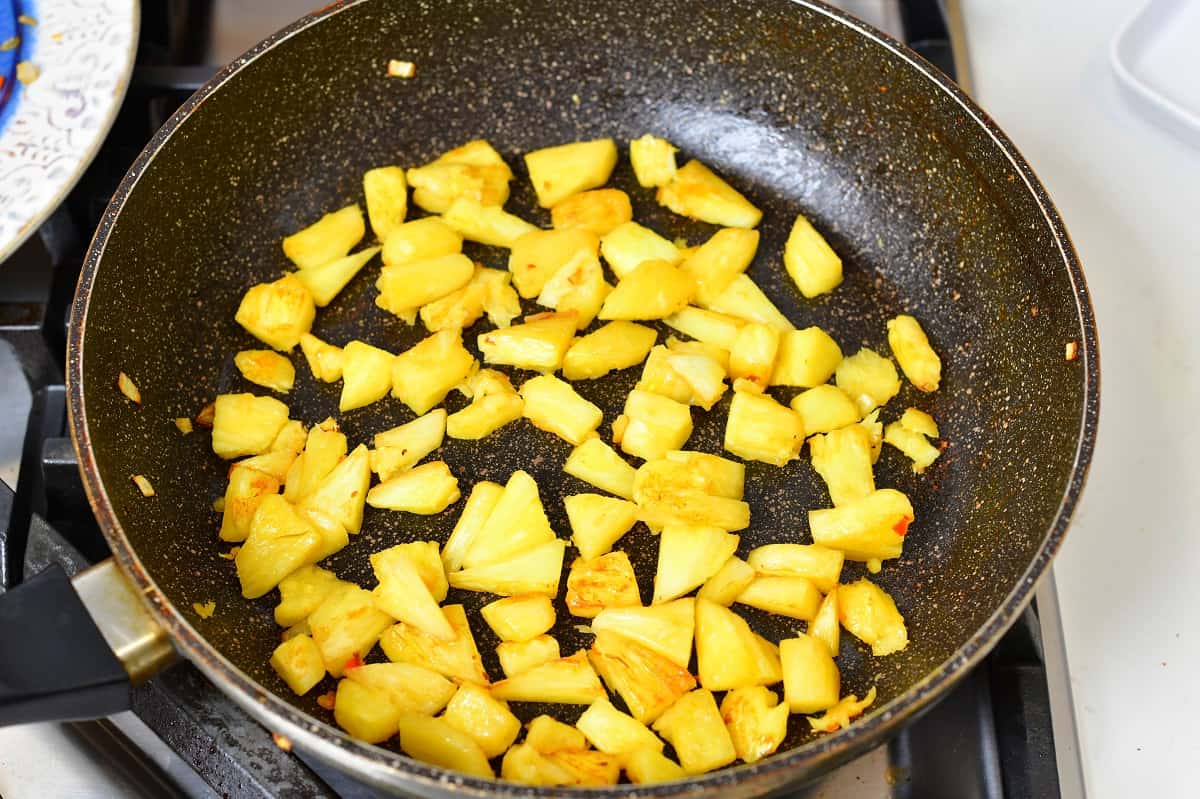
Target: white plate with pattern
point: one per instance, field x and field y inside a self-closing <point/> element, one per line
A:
<point x="64" y="68"/>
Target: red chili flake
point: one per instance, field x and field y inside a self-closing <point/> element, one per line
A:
<point x="833" y="727"/>
<point x="901" y="527"/>
<point x="353" y="663"/>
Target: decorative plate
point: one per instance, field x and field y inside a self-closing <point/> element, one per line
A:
<point x="64" y="67"/>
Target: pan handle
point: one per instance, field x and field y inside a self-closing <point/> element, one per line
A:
<point x="72" y="648"/>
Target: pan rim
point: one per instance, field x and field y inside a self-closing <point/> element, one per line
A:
<point x="386" y="768"/>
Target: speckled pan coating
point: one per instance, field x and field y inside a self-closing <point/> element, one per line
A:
<point x="931" y="208"/>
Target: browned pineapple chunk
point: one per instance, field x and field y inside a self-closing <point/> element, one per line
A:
<point x="870" y="614"/>
<point x="458" y="659"/>
<point x="818" y="564"/>
<point x="752" y="358"/>
<point x="487" y="720"/>
<point x="868" y="528"/>
<point x="569" y="681"/>
<point x="811" y="680"/>
<point x="607" y="581"/>
<point x="693" y="725"/>
<point x="646" y="681"/>
<point x="346" y="626"/>
<point x="324" y="360"/>
<point x="554" y="406"/>
<point x="760" y="429"/>
<point x="280" y="541"/>
<point x="328" y="238"/>
<point x="538" y="255"/>
<point x="410" y="688"/>
<point x="298" y="662"/>
<point x="616" y="345"/>
<point x="909" y="344"/>
<point x="696" y="191"/>
<point x="665" y="628"/>
<point x="244" y="424"/>
<point x="598" y="211"/>
<point x="539" y="344"/>
<point x="840" y="715"/>
<point x="267" y="369"/>
<point x="278" y="313"/>
<point x="423" y="375"/>
<point x="614" y="732"/>
<point x="652" y="290"/>
<point x="521" y="656"/>
<point x="519" y="618"/>
<point x="757" y="723"/>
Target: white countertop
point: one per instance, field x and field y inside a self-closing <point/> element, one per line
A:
<point x="1130" y="195"/>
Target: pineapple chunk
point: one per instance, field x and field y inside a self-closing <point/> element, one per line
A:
<point x="825" y="408"/>
<point x="659" y="378"/>
<point x="519" y="618"/>
<point x="795" y="597"/>
<point x="420" y="240"/>
<point x="406" y="287"/>
<point x="869" y="528"/>
<point x="537" y="256"/>
<point x="703" y="374"/>
<point x="423" y="375"/>
<point x="554" y="406"/>
<point x="475" y="170"/>
<point x="693" y="725"/>
<point x="598" y="464"/>
<point x="424" y="557"/>
<point x="558" y="172"/>
<point x="539" y="344"/>
<point x="607" y="581"/>
<point x="326" y="281"/>
<point x="458" y="659"/>
<point x="756" y="721"/>
<point x="325" y="361"/>
<point x="728" y="653"/>
<point x="817" y="564"/>
<point x="616" y="345"/>
<point x="410" y="688"/>
<point x="386" y="192"/>
<point x="534" y="571"/>
<point x="614" y="732"/>
<point x="525" y="764"/>
<point x="838" y="716"/>
<point x="500" y="300"/>
<point x="278" y="313"/>
<point x="485" y="415"/>
<point x="806" y="358"/>
<point x="549" y="735"/>
<point x="334" y="535"/>
<point x="328" y="238"/>
<point x="716" y="262"/>
<point x="870" y="615"/>
<point x="597" y="522"/>
<point x="366" y="375"/>
<point x="664" y="628"/>
<point x="647" y="682"/>
<point x="520" y="656"/>
<point x="813" y="265"/>
<point x="627" y="246"/>
<point x="302" y="592"/>
<point x="760" y="429"/>
<point x="651" y="290"/>
<point x="298" y="661"/>
<point x="246" y="490"/>
<point x="268" y="369"/>
<point x="709" y="327"/>
<point x="599" y="211"/>
<point x="874" y="429"/>
<point x="687" y="556"/>
<point x="718" y="354"/>
<point x="397" y="449"/>
<point x="404" y="596"/>
<point x="480" y="503"/>
<point x="697" y="192"/>
<point x="346" y="626"/>
<point x="825" y="627"/>
<point x="294" y="434"/>
<point x="341" y="493"/>
<point x="909" y="436"/>
<point x="244" y="424"/>
<point x="919" y="422"/>
<point x="681" y="469"/>
<point x="725" y="586"/>
<point x="279" y="542"/>
<point x="653" y="160"/>
<point x="694" y="508"/>
<point x="910" y="345"/>
<point x="275" y="462"/>
<point x="811" y="681"/>
<point x="426" y="489"/>
<point x="843" y="459"/>
<point x="324" y="449"/>
<point x="743" y="299"/>
<point x="485" y="719"/>
<point x="462" y="308"/>
<point x="653" y="425"/>
<point x="436" y="741"/>
<point x="515" y="524"/>
<point x="752" y="357"/>
<point x="588" y="768"/>
<point x="578" y="286"/>
<point x="566" y="681"/>
<point x="365" y="712"/>
<point x="869" y="379"/>
<point x="650" y="766"/>
<point x="486" y="224"/>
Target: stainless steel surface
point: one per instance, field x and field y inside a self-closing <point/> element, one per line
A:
<point x="958" y="44"/>
<point x="142" y="646"/>
<point x="14" y="410"/>
<point x="1062" y="701"/>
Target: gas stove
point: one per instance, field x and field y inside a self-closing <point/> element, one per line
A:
<point x="1006" y="731"/>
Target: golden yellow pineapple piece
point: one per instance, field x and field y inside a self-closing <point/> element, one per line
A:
<point x="687" y="556"/>
<point x="653" y="160"/>
<point x="424" y="557"/>
<point x="500" y="300"/>
<point x="334" y="535"/>
<point x="458" y="659"/>
<point x="588" y="768"/>
<point x="813" y="265"/>
<point x="760" y="429"/>
<point x="756" y="721"/>
<point x="526" y="765"/>
<point x="538" y="255"/>
<point x="652" y="425"/>
<point x="290" y="439"/>
<point x="298" y="661"/>
<point x="324" y="360"/>
<point x="426" y="489"/>
<point x="302" y="592"/>
<point x="366" y="375"/>
<point x="703" y="374"/>
<point x="709" y="327"/>
<point x="534" y="571"/>
<point x="463" y="307"/>
<point x="665" y="628"/>
<point x="650" y="766"/>
<point x="483" y="498"/>
<point x="364" y="712"/>
<point x="548" y="735"/>
<point x="487" y="720"/>
<point x="752" y="357"/>
<point x="246" y="490"/>
<point x="485" y="415"/>
<point x="404" y="596"/>
<point x="743" y="299"/>
<point x="824" y="408"/>
<point x="277" y="313"/>
<point x="486" y="224"/>
<point x="420" y="240"/>
<point x="603" y="582"/>
<point x="838" y="716"/>
<point x="515" y="524"/>
<point x="659" y="378"/>
<point x="718" y="354"/>
<point x="280" y="541"/>
<point x="806" y="358"/>
<point x="579" y="286"/>
<point x="326" y="281"/>
<point x="346" y="626"/>
<point x="870" y="615"/>
<point x="341" y="493"/>
<point x="397" y="449"/>
<point x="646" y="681"/>
<point x="616" y="345"/>
<point x="811" y="680"/>
<point x="328" y="238"/>
<point x="566" y="681"/>
<point x="697" y="192"/>
<point x="386" y="192"/>
<point x="266" y="368"/>
<point x="410" y="688"/>
<point x="729" y="581"/>
<point x="598" y="464"/>
<point x="473" y="170"/>
<point x="554" y="406"/>
<point x="598" y="211"/>
<point x="244" y="424"/>
<point x="872" y="527"/>
<point x="825" y="627"/>
<point x="910" y="345"/>
<point x="630" y="244"/>
<point x="728" y="653"/>
<point x="614" y="732"/>
<point x="520" y="656"/>
<point x="693" y="725"/>
<point x="651" y="290"/>
<point x="818" y="564"/>
<point x="423" y="375"/>
<point x="795" y="597"/>
<point x="538" y="344"/>
<point x="874" y="428"/>
<point x="325" y="447"/>
<point x="403" y="288"/>
<point x="869" y="379"/>
<point x="909" y="436"/>
<point x="558" y="172"/>
<point x="597" y="522"/>
<point x="843" y="459"/>
<point x="434" y="740"/>
<point x="716" y="262"/>
<point x="519" y="618"/>
<point x="276" y="462"/>
<point x="683" y="469"/>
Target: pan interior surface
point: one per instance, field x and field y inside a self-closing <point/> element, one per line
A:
<point x="798" y="110"/>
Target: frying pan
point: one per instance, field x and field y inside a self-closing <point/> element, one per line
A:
<point x="802" y="108"/>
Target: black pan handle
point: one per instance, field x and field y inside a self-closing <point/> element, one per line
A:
<point x="72" y="648"/>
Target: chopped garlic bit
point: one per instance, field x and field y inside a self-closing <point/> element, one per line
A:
<point x="127" y="387"/>
<point x="401" y="69"/>
<point x="206" y="610"/>
<point x="184" y="424"/>
<point x="1072" y="350"/>
<point x="25" y="19"/>
<point x="27" y="72"/>
<point x="143" y="485"/>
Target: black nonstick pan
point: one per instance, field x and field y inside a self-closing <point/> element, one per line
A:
<point x="802" y="108"/>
